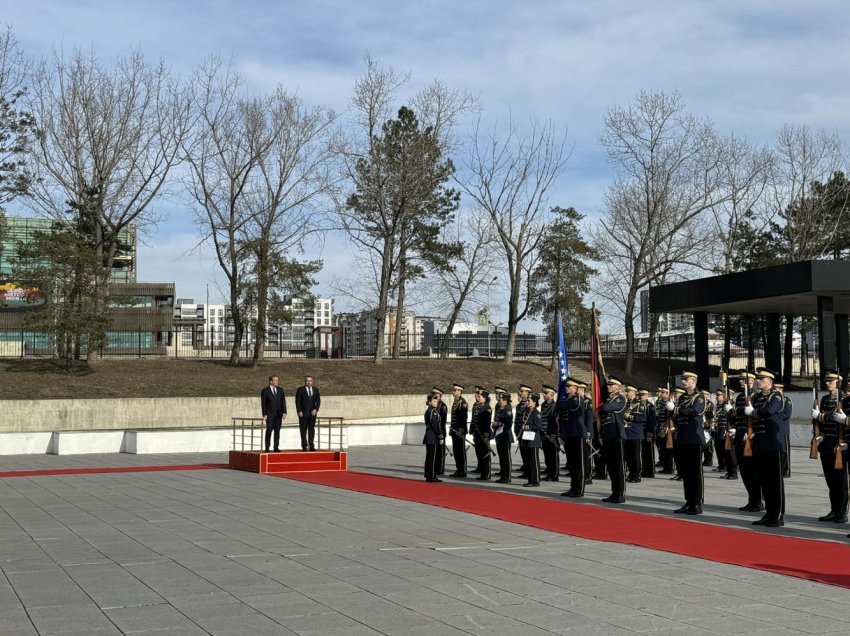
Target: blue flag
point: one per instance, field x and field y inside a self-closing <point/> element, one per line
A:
<point x="563" y="364"/>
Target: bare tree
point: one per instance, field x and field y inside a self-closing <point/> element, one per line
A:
<point x="376" y="220"/>
<point x="17" y="126"/>
<point x="510" y="177"/>
<point x="668" y="174"/>
<point x="470" y="278"/>
<point x="108" y="139"/>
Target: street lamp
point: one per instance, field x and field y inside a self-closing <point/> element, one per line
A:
<point x="495" y="327"/>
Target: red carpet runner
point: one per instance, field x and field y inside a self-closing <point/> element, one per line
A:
<point x="821" y="561"/>
<point x="107" y="469"/>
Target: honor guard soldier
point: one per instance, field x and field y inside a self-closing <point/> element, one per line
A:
<point x="634" y="418"/>
<point x="787" y="411"/>
<point x="690" y="441"/>
<point x="433" y="439"/>
<point x="647" y="445"/>
<point x="767" y="441"/>
<point x="677" y="393"/>
<point x="572" y="425"/>
<point x="460" y="415"/>
<point x="831" y="419"/>
<point x="719" y="433"/>
<point x="590" y="430"/>
<point x="662" y="416"/>
<point x="475" y="407"/>
<point x="480" y="427"/>
<point x="708" y="425"/>
<point x="613" y="433"/>
<point x="745" y="464"/>
<point x="503" y="419"/>
<point x="533" y="430"/>
<point x="519" y="418"/>
<point x="551" y="447"/>
<point x="730" y="454"/>
<point x="444" y="416"/>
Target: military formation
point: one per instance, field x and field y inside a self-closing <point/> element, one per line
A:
<point x="631" y="437"/>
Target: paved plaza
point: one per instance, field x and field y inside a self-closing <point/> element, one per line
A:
<point x="228" y="552"/>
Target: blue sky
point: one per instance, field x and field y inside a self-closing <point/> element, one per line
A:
<point x="750" y="66"/>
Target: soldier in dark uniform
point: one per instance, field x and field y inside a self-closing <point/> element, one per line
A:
<point x="745" y="464"/>
<point x="503" y="419"/>
<point x="534" y="429"/>
<point x="551" y="448"/>
<point x="613" y="432"/>
<point x="590" y="428"/>
<point x="480" y="427"/>
<point x="662" y="415"/>
<point x="600" y="470"/>
<point x="433" y="439"/>
<point x="708" y="426"/>
<point x="730" y="455"/>
<point x="444" y="416"/>
<point x="647" y="446"/>
<point x="690" y="442"/>
<point x="475" y="407"/>
<point x="460" y="414"/>
<point x="634" y="418"/>
<point x="677" y="393"/>
<point x="767" y="442"/>
<point x="719" y="433"/>
<point x="829" y="418"/>
<point x="571" y="419"/>
<point x="787" y="411"/>
<point x="519" y="418"/>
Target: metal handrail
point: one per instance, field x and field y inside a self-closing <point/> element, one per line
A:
<point x="331" y="422"/>
<point x="251" y="424"/>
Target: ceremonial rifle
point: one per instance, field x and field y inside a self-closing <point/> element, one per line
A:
<point x="813" y="453"/>
<point x="670" y="422"/>
<point x="468" y="443"/>
<point x="728" y="445"/>
<point x="748" y="447"/>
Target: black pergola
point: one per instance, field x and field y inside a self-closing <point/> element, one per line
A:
<point x="807" y="288"/>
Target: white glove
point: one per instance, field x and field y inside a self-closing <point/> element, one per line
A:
<point x="731" y="431"/>
<point x="819" y="439"/>
<point x="815" y="413"/>
<point x="839" y="417"/>
<point x="748" y="410"/>
<point x="670" y="405"/>
<point x="727" y="407"/>
<point x="842" y="446"/>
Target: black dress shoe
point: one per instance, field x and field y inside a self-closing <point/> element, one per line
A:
<point x="761" y="522"/>
<point x="731" y="476"/>
<point x="694" y="510"/>
<point x="587" y="482"/>
<point x="774" y="524"/>
<point x="682" y="510"/>
<point x="618" y="500"/>
<point x="829" y="517"/>
<point x="841" y="519"/>
<point x="501" y="480"/>
<point x="276" y="450"/>
<point x="608" y="498"/>
<point x="534" y="485"/>
<point x="574" y="494"/>
<point x="482" y="478"/>
<point x="748" y="508"/>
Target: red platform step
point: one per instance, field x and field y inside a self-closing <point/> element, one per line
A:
<point x="285" y="462"/>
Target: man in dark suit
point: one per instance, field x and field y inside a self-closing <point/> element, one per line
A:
<point x="273" y="403"/>
<point x="307" y="402"/>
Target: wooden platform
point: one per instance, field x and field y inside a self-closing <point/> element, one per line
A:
<point x="285" y="462"/>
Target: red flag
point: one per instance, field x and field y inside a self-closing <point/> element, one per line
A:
<point x="598" y="378"/>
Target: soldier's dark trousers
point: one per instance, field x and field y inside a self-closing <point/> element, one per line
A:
<point x="575" y="458"/>
<point x="482" y="451"/>
<point x="647" y="449"/>
<point x="550" y="456"/>
<point x="430" y="460"/>
<point x="720" y="449"/>
<point x="836" y="480"/>
<point x="613" y="451"/>
<point x="518" y="435"/>
<point x="587" y="449"/>
<point x="532" y="460"/>
<point x="459" y="451"/>
<point x="599" y="469"/>
<point x="504" y="452"/>
<point x="768" y="465"/>
<point x="689" y="461"/>
<point x="748" y="475"/>
<point x="785" y="457"/>
<point x="631" y="449"/>
<point x="666" y="458"/>
<point x="440" y="461"/>
<point x="708" y="454"/>
<point x="731" y="460"/>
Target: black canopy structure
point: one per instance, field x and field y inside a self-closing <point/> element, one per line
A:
<point x="807" y="288"/>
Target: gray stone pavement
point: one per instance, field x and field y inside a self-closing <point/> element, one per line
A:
<point x="228" y="552"/>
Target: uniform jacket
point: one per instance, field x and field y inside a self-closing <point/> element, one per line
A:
<point x="689" y="418"/>
<point x="433" y="430"/>
<point x="572" y="418"/>
<point x="549" y="415"/>
<point x="651" y="424"/>
<point x="740" y="417"/>
<point x="519" y="417"/>
<point x="828" y="424"/>
<point x="787" y="410"/>
<point x="611" y="413"/>
<point x="503" y="416"/>
<point x="720" y="419"/>
<point x="534" y="423"/>
<point x="479" y="424"/>
<point x="767" y="422"/>
<point x="589" y="417"/>
<point x="460" y="414"/>
<point x="634" y="419"/>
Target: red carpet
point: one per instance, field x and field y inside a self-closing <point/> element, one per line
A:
<point x="822" y="561"/>
<point x="96" y="471"/>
